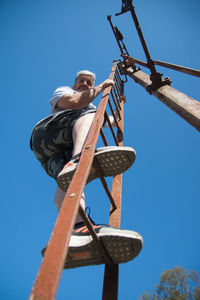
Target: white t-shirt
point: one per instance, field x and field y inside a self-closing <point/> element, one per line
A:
<point x="59" y="92"/>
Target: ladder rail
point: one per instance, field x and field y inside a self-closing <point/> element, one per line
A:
<point x="110" y="286"/>
<point x="47" y="280"/>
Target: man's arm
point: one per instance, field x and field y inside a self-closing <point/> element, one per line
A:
<point x="82" y="99"/>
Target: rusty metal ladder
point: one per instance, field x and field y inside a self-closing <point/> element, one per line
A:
<point x="47" y="280"/>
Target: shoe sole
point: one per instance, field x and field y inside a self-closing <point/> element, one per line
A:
<point x="113" y="160"/>
<point x="121" y="249"/>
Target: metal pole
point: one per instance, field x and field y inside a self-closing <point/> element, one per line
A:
<point x="182" y="69"/>
<point x="185" y="106"/>
<point x="113" y="29"/>
<point x="130" y="61"/>
<point x="139" y="31"/>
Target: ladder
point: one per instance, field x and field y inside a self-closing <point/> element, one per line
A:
<point x="47" y="280"/>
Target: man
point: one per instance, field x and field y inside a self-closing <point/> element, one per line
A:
<point x="57" y="142"/>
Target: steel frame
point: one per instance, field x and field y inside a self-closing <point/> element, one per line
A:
<point x="183" y="105"/>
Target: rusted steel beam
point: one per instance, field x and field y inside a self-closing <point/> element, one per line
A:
<point x="111" y="128"/>
<point x="155" y="75"/>
<point x="103" y="137"/>
<point x="118" y="83"/>
<point x="117" y="89"/>
<point x="117" y="98"/>
<point x="119" y="80"/>
<point x="104" y="183"/>
<point x="114" y="31"/>
<point x="110" y="287"/>
<point x="115" y="216"/>
<point x="113" y="113"/>
<point x="130" y="61"/>
<point x="116" y="105"/>
<point x="48" y="277"/>
<point x="182" y="69"/>
<point x="185" y="106"/>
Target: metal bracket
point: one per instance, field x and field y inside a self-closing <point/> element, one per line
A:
<point x="122" y="66"/>
<point x="156" y="78"/>
<point x="157" y="82"/>
<point x="124" y="9"/>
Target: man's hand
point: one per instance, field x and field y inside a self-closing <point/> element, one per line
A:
<point x="107" y="83"/>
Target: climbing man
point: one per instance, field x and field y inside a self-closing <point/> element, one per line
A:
<point x="57" y="142"/>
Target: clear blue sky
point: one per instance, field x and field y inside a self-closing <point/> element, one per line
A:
<point x="43" y="45"/>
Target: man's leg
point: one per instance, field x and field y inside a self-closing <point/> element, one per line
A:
<point x="80" y="132"/>
<point x="79" y="135"/>
<point x="113" y="160"/>
<point x="59" y="197"/>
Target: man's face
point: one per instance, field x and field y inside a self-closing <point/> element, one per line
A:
<point x="83" y="83"/>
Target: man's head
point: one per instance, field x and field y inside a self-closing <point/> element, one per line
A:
<point x="84" y="80"/>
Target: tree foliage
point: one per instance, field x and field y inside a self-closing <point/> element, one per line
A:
<point x="176" y="284"/>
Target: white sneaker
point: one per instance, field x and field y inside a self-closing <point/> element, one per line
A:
<point x="113" y="160"/>
<point x="121" y="245"/>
